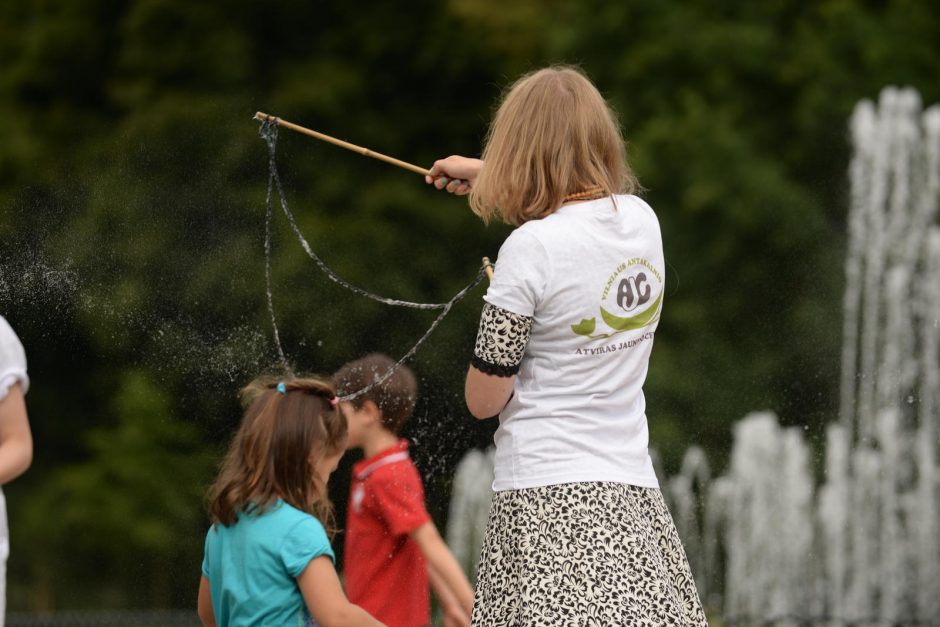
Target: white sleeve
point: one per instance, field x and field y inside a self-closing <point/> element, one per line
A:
<point x="520" y="274"/>
<point x="12" y="360"/>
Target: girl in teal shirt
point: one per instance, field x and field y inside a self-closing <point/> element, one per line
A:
<point x="268" y="559"/>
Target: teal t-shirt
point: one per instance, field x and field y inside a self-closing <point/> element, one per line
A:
<point x="252" y="566"/>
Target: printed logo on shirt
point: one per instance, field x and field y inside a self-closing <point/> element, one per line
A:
<point x="358" y="494"/>
<point x="632" y="299"/>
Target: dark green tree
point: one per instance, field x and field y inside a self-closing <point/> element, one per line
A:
<point x="132" y="184"/>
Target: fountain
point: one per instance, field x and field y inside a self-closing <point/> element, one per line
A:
<point x="863" y="547"/>
<point x="766" y="543"/>
<point x="470" y="508"/>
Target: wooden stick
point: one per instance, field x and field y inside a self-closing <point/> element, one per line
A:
<point x="489" y="268"/>
<point x="264" y="117"/>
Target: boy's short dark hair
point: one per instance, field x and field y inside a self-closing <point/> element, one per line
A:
<point x="395" y="397"/>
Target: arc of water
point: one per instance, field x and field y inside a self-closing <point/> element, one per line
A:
<point x="268" y="132"/>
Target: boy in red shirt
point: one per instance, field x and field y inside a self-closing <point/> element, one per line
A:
<point x="393" y="551"/>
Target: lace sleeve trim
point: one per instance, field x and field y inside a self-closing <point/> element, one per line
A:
<point x="501" y="341"/>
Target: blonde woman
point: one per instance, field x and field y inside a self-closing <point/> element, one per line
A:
<point x="578" y="531"/>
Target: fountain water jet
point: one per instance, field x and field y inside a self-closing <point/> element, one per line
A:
<point x="864" y="546"/>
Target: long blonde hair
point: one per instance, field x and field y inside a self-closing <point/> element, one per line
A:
<point x="270" y="456"/>
<point x="553" y="134"/>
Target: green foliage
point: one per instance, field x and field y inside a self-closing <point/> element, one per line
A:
<point x="127" y="511"/>
<point x="132" y="184"/>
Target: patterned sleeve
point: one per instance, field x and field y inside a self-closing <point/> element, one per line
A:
<point x="501" y="341"/>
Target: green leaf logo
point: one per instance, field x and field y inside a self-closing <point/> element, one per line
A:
<point x="631" y="322"/>
<point x="585" y="327"/>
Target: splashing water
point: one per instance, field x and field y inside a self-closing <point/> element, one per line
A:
<point x="29" y="275"/>
<point x="30" y="279"/>
<point x="268" y="132"/>
<point x="768" y="545"/>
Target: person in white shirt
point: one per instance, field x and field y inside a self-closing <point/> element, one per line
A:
<point x="16" y="441"/>
<point x="578" y="531"/>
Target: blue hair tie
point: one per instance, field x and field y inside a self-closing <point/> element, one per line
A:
<point x="282" y="388"/>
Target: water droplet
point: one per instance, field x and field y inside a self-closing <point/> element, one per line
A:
<point x="910" y="399"/>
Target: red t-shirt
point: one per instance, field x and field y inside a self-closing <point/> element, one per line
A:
<point x="385" y="571"/>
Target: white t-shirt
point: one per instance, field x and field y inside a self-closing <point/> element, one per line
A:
<point x="12" y="370"/>
<point x="12" y="360"/>
<point x="591" y="275"/>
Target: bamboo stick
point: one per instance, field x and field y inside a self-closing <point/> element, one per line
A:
<point x="264" y="117"/>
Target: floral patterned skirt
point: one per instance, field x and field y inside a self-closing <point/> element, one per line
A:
<point x="599" y="554"/>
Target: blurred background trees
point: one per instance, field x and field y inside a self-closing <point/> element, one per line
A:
<point x="132" y="185"/>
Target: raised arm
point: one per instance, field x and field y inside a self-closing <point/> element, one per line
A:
<point x="326" y="600"/>
<point x="456" y="174"/>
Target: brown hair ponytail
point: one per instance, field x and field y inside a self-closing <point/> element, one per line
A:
<point x="269" y="457"/>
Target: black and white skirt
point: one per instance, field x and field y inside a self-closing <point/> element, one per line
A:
<point x="600" y="554"/>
